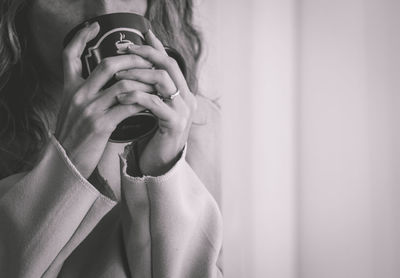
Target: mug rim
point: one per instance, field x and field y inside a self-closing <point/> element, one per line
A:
<point x="142" y="24"/>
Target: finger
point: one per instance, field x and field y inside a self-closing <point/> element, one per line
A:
<point x="164" y="62"/>
<point x="150" y="53"/>
<point x="108" y="67"/>
<point x="107" y="98"/>
<point x="150" y="102"/>
<point x="73" y="51"/>
<point x="119" y="113"/>
<point x="152" y="40"/>
<point x="160" y="79"/>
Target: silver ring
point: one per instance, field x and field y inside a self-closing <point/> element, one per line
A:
<point x="171" y="97"/>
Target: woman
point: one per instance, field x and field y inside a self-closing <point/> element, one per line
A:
<point x="71" y="203"/>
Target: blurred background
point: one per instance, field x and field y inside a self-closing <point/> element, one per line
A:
<point x="310" y="94"/>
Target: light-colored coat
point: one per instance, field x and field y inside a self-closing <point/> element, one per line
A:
<point x="55" y="223"/>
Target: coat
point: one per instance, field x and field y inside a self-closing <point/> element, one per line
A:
<point x="56" y="223"/>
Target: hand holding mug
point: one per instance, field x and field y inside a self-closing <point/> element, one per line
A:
<point x="174" y="116"/>
<point x="119" y="31"/>
<point x="89" y="114"/>
<point x="118" y="87"/>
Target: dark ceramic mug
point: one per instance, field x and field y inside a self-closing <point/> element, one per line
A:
<point x="117" y="32"/>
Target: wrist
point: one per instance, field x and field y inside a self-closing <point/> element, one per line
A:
<point x="159" y="165"/>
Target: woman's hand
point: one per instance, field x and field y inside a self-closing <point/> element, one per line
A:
<point x="175" y="116"/>
<point x="88" y="114"/>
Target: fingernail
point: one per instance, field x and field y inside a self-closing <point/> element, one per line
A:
<point x="94" y="26"/>
<point x="120" y="74"/>
<point x="122" y="96"/>
<point x="133" y="46"/>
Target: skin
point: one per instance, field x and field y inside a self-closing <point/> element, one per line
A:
<point x="88" y="115"/>
<point x="50" y="21"/>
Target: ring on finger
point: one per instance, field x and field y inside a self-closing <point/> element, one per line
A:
<point x="170" y="97"/>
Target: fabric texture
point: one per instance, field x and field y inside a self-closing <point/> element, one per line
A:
<point x="55" y="223"/>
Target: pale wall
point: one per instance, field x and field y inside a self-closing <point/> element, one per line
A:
<point x="310" y="94"/>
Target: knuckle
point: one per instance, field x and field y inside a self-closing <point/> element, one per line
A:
<point x="130" y="97"/>
<point x="87" y="113"/>
<point x="123" y="85"/>
<point x="134" y="96"/>
<point x="77" y="100"/>
<point x="163" y="75"/>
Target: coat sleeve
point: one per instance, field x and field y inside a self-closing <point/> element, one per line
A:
<point x="172" y="225"/>
<point x="45" y="214"/>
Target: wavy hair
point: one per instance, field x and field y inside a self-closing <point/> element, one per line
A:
<point x="23" y="102"/>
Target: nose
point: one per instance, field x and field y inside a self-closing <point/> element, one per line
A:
<point x="99" y="7"/>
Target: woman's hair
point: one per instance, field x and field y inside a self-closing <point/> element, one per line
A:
<point x="23" y="102"/>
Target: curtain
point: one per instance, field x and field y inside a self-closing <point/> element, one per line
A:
<point x="310" y="99"/>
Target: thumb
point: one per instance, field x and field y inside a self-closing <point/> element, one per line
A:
<point x="72" y="53"/>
